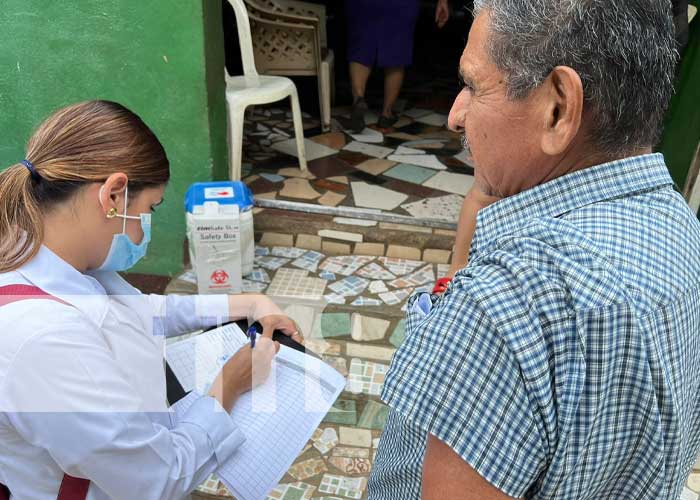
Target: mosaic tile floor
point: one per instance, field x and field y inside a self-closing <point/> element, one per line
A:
<point x="350" y="310"/>
<point x="417" y="168"/>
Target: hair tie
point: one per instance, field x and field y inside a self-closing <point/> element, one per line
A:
<point x="32" y="170"/>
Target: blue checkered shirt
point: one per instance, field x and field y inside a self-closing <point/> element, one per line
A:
<point x="563" y="361"/>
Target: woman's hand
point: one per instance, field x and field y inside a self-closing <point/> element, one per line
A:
<point x="247" y="369"/>
<point x="257" y="307"/>
<point x="442" y="13"/>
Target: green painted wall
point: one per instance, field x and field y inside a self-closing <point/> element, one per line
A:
<point x="682" y="129"/>
<point x="162" y="59"/>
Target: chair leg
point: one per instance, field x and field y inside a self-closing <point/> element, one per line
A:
<point x="298" y="129"/>
<point x="324" y="96"/>
<point x="236" y="118"/>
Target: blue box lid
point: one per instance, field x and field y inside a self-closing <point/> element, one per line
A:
<point x="223" y="192"/>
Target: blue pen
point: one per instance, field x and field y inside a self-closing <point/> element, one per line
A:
<point x="251" y="333"/>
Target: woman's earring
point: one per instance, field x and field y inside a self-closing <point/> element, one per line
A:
<point x="111" y="213"/>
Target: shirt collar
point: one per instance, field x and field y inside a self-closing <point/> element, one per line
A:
<point x="607" y="181"/>
<point x="58" y="278"/>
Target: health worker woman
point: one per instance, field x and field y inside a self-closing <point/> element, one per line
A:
<point x="82" y="387"/>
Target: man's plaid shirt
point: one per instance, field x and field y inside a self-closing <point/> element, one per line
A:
<point x="563" y="361"/>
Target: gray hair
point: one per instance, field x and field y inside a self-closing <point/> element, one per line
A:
<point x="623" y="50"/>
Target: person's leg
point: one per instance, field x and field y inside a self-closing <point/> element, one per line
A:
<point x="359" y="74"/>
<point x="393" y="79"/>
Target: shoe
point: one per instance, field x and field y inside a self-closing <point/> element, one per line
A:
<point x="387" y="122"/>
<point x="357" y="118"/>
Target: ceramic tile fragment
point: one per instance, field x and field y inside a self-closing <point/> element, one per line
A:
<point x="375" y="166"/>
<point x="307" y="468"/>
<point x="352" y="436"/>
<point x="334" y="324"/>
<point x="277" y="240"/>
<point x="445" y="208"/>
<point x="334" y="298"/>
<point x="424" y="160"/>
<point x="261" y="251"/>
<point x="348" y="221"/>
<point x="347" y="287"/>
<point x="368" y="327"/>
<point x="351" y="487"/>
<point x="403" y="136"/>
<point x="299" y="188"/>
<point x="369" y="135"/>
<point x="395" y="297"/>
<point x="291" y="491"/>
<point x="464" y="157"/>
<point x="294" y="283"/>
<point x="313" y="149"/>
<point x="403" y="252"/>
<point x="335" y="248"/>
<point x="368" y="149"/>
<point x="442" y="270"/>
<point x="341" y="179"/>
<point x="345" y="264"/>
<point x="326" y="185"/>
<point x="302" y="315"/>
<point x="410" y="173"/>
<point x="340" y="235"/>
<point x="289" y="252"/>
<point x="366" y="377"/>
<point x="451" y="182"/>
<point x="343" y="411"/>
<point x="399" y="334"/>
<point x="399" y="266"/>
<point x="420" y="277"/>
<point x="331" y="199"/>
<point x="272" y="195"/>
<point x="271" y="263"/>
<point x="375" y="271"/>
<point x="327" y="275"/>
<point x="309" y="261"/>
<point x="338" y="363"/>
<point x="417" y="112"/>
<point x="366" y="301"/>
<point x="326" y="440"/>
<point x="377" y="286"/>
<point x="435" y="119"/>
<point x="296" y="172"/>
<point x="436" y="255"/>
<point x="404" y="150"/>
<point x="272" y="177"/>
<point x="371" y="351"/>
<point x="211" y="485"/>
<point x="373" y="417"/>
<point x="335" y="140"/>
<point x="322" y="347"/>
<point x="248" y="286"/>
<point x="309" y="241"/>
<point x="371" y="196"/>
<point x="345" y="451"/>
<point x="369" y="249"/>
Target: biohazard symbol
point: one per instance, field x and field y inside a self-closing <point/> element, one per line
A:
<point x="219" y="277"/>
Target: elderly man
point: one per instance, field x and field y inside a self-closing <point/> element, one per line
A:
<point x="563" y="362"/>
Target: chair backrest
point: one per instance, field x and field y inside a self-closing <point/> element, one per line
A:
<point x="244" y="39"/>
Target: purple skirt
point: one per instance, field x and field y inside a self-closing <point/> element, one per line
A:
<point x="381" y="31"/>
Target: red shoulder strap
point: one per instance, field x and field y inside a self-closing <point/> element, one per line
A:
<point x="15" y="293"/>
<point x="72" y="488"/>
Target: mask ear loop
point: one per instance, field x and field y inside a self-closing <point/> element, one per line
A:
<point x="126" y="197"/>
<point x="112" y="212"/>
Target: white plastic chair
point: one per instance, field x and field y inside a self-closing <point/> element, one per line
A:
<point x="251" y="89"/>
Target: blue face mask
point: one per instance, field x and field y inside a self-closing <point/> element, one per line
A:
<point x="124" y="253"/>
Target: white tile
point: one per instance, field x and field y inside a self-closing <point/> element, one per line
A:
<point x="417" y="112"/>
<point x="403" y="150"/>
<point x="368" y="149"/>
<point x="340" y="235"/>
<point x="435" y="119"/>
<point x="354" y="222"/>
<point x="314" y="150"/>
<point x="424" y="160"/>
<point x="450" y="182"/>
<point x="464" y="157"/>
<point x="441" y="207"/>
<point x="369" y="135"/>
<point x="371" y="196"/>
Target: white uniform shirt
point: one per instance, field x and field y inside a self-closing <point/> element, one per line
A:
<point x="82" y="389"/>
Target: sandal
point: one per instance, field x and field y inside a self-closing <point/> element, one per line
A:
<point x="387" y="122"/>
<point x="357" y="117"/>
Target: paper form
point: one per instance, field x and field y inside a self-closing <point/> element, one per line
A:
<point x="277" y="418"/>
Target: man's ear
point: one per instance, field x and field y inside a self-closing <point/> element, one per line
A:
<point x="563" y="109"/>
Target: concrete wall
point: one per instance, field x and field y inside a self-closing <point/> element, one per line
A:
<point x="162" y="59"/>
